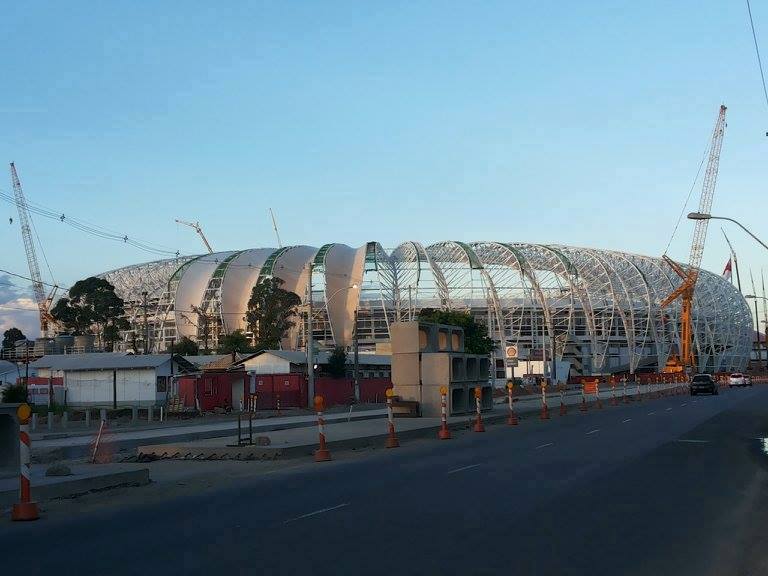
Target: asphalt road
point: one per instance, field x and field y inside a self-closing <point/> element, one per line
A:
<point x="671" y="486"/>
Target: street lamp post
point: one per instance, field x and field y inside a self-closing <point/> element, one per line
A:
<point x="310" y="342"/>
<point x="702" y="216"/>
<point x="757" y="329"/>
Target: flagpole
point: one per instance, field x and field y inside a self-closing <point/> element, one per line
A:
<point x="735" y="260"/>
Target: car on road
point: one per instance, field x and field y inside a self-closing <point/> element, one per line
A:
<point x="703" y="383"/>
<point x="739" y="379"/>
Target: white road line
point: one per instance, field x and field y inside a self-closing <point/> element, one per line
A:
<point x="651" y="413"/>
<point x="668" y="409"/>
<point x="627" y="420"/>
<point x="692" y="441"/>
<point x="593" y="431"/>
<point x="545" y="445"/>
<point x="464" y="468"/>
<point x="316" y="512"/>
<point x="684" y="404"/>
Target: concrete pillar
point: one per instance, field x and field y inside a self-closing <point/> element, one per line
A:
<point x="65" y="419"/>
<point x="87" y="417"/>
<point x="103" y="414"/>
<point x="134" y="414"/>
<point x="149" y="414"/>
<point x="50" y="420"/>
<point x="34" y="421"/>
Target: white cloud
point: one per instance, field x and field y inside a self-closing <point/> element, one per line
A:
<point x="17" y="308"/>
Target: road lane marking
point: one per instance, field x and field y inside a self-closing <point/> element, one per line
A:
<point x="464" y="468"/>
<point x="593" y="431"/>
<point x="668" y="409"/>
<point x="627" y="420"/>
<point x="651" y="413"/>
<point x="692" y="441"/>
<point x="316" y="512"/>
<point x="545" y="445"/>
<point x="684" y="404"/>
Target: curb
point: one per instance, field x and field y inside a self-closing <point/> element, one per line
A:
<point x="77" y="486"/>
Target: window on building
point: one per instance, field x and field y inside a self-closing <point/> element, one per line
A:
<point x="162" y="384"/>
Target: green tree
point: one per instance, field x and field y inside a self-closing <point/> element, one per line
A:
<point x="237" y="341"/>
<point x="270" y="312"/>
<point x="337" y="362"/>
<point x="14" y="393"/>
<point x="92" y="307"/>
<point x="476" y="339"/>
<point x="11" y="336"/>
<point x="186" y="347"/>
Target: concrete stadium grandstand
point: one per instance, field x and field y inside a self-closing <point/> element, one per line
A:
<point x="597" y="310"/>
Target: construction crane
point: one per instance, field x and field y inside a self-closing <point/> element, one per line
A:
<point x="685" y="290"/>
<point x="196" y="227"/>
<point x="274" y="225"/>
<point x="42" y="300"/>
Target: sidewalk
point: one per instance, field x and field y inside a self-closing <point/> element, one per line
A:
<point x="78" y="446"/>
<point x="299" y="442"/>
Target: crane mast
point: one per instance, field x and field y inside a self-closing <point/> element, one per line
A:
<point x="197" y="228"/>
<point x="43" y="301"/>
<point x="685" y="290"/>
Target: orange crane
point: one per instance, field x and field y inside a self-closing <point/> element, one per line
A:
<point x="686" y="288"/>
<point x="43" y="301"/>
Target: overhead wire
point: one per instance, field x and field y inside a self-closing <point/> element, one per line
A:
<point x="757" y="52"/>
<point x="89" y="228"/>
<point x="688" y="198"/>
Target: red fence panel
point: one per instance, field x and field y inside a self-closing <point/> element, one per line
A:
<point x="374" y="389"/>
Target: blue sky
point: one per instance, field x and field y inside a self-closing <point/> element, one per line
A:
<point x="557" y="122"/>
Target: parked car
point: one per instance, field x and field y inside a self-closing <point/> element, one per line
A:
<point x="739" y="379"/>
<point x="703" y="383"/>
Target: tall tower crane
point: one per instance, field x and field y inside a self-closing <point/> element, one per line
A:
<point x="196" y="227"/>
<point x="42" y="300"/>
<point x="686" y="288"/>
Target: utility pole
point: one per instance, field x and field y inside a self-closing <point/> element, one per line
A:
<point x="310" y="343"/>
<point x="146" y="325"/>
<point x="356" y="371"/>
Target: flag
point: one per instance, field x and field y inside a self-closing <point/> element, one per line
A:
<point x="727" y="271"/>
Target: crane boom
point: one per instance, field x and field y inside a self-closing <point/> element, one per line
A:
<point x="42" y="301"/>
<point x="685" y="290"/>
<point x="197" y="228"/>
<point x="274" y="225"/>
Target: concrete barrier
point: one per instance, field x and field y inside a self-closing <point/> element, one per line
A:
<point x="9" y="441"/>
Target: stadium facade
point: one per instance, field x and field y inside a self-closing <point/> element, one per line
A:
<point x="596" y="309"/>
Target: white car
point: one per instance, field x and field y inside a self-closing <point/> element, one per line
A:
<point x="739" y="379"/>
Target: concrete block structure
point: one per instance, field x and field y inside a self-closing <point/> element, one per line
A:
<point x="426" y="357"/>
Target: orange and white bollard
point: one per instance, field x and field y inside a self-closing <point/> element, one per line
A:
<point x="512" y="418"/>
<point x="583" y="407"/>
<point x="478" y="406"/>
<point x="544" y="415"/>
<point x="24" y="509"/>
<point x="614" y="401"/>
<point x="277" y="398"/>
<point x="322" y="454"/>
<point x="444" y="433"/>
<point x="625" y="398"/>
<point x="563" y="409"/>
<point x="392" y="441"/>
<point x="598" y="402"/>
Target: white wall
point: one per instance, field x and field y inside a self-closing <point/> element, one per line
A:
<point x="94" y="387"/>
<point x="267" y="364"/>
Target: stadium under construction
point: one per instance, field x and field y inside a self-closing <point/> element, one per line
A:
<point x="597" y="310"/>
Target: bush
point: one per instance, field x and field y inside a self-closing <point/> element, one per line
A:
<point x="15" y="393"/>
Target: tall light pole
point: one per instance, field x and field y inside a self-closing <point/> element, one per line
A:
<point x="702" y="216"/>
<point x="757" y="328"/>
<point x="310" y="339"/>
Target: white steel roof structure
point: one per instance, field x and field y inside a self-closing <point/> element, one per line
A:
<point x="597" y="308"/>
